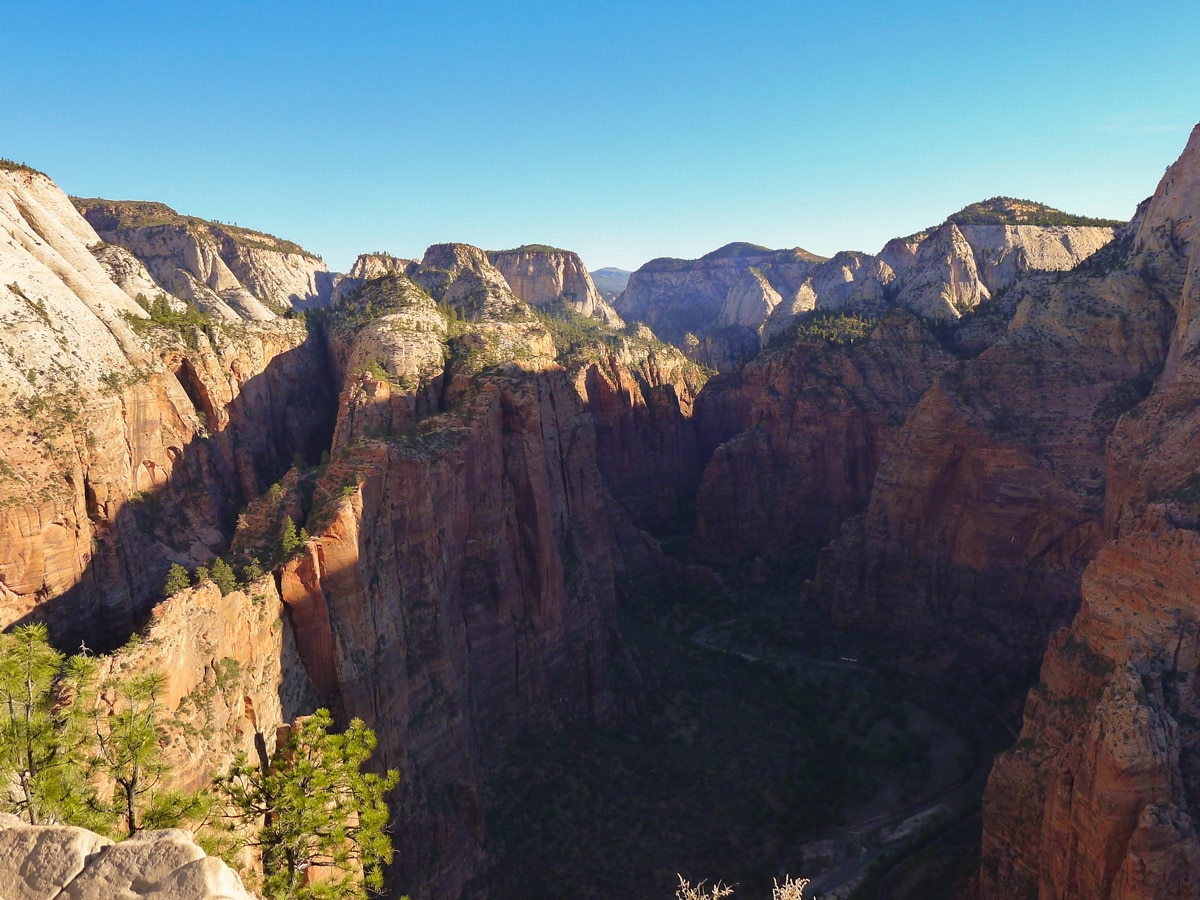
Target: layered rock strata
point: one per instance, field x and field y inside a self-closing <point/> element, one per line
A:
<point x="130" y="445"/>
<point x="796" y="437"/>
<point x="460" y="576"/>
<point x="1097" y="798"/>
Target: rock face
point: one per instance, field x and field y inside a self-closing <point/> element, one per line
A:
<point x="796" y="437"/>
<point x="996" y="482"/>
<point x="677" y="298"/>
<point x="235" y="272"/>
<point x="541" y="275"/>
<point x="460" y="578"/>
<point x="58" y="862"/>
<point x="232" y="675"/>
<point x="1099" y="796"/>
<point x="1097" y="799"/>
<point x="735" y="298"/>
<point x="127" y="449"/>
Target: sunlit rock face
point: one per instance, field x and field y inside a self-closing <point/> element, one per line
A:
<point x="540" y="275"/>
<point x="130" y="446"/>
<point x="235" y="272"/>
<point x="1098" y="798"/>
<point x="726" y="306"/>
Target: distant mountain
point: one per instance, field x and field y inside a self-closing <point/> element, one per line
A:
<point x="610" y="281"/>
<point x="724" y="307"/>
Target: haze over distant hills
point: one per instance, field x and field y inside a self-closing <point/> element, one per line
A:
<point x="610" y="281"/>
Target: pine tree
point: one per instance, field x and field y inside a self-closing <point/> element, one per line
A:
<point x="311" y="805"/>
<point x="177" y="580"/>
<point x="42" y="734"/>
<point x="290" y="542"/>
<point x="125" y="752"/>
<point x="30" y="755"/>
<point x="223" y="577"/>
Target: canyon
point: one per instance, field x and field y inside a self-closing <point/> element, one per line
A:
<point x="975" y="445"/>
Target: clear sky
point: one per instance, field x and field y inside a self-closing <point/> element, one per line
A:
<point x="624" y="131"/>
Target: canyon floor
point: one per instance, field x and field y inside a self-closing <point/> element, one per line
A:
<point x="762" y="737"/>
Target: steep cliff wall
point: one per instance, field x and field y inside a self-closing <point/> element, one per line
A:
<point x="460" y="579"/>
<point x="796" y="437"/>
<point x="1099" y="797"/>
<point x="995" y="485"/>
<point x="678" y="297"/>
<point x="541" y="275"/>
<point x="131" y="445"/>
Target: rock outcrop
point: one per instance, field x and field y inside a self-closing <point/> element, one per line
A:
<point x="59" y="862"/>
<point x="231" y="675"/>
<point x="460" y="576"/>
<point x="678" y="298"/>
<point x="540" y="275"/>
<point x="231" y="271"/>
<point x="1097" y="798"/>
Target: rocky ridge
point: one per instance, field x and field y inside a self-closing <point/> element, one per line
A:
<point x="130" y="443"/>
<point x="723" y="307"/>
<point x="233" y="272"/>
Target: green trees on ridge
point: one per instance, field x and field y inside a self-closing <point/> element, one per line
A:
<point x="81" y="749"/>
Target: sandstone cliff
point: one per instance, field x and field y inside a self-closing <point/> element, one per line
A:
<point x="1097" y="799"/>
<point x="1099" y="796"/>
<point x="460" y="577"/>
<point x="796" y="437"/>
<point x="677" y="298"/>
<point x="131" y="444"/>
<point x="995" y="485"/>
<point x="235" y="272"/>
<point x="540" y="275"/>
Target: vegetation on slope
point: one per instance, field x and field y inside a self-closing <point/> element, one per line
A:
<point x="83" y="747"/>
<point x="10" y="165"/>
<point x="1011" y="211"/>
<point x="129" y="214"/>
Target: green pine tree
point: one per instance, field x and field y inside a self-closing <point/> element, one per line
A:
<point x="126" y="753"/>
<point x="177" y="580"/>
<point x="290" y="542"/>
<point x="31" y="757"/>
<point x="312" y="805"/>
<point x="223" y="577"/>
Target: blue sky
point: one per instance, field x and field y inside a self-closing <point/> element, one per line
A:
<point x="624" y="131"/>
